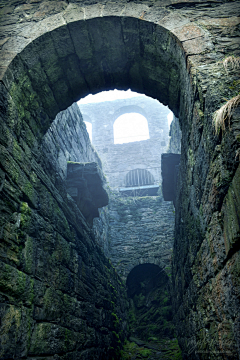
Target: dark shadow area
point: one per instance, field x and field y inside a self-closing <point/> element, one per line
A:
<point x="151" y="311"/>
<point x="150" y="315"/>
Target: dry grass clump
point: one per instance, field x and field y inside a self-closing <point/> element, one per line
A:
<point x="237" y="154"/>
<point x="233" y="61"/>
<point x="225" y="113"/>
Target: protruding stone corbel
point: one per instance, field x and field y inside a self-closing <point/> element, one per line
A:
<point x="85" y="183"/>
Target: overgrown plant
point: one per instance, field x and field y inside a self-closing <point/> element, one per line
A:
<point x="225" y="113"/>
<point x="233" y="61"/>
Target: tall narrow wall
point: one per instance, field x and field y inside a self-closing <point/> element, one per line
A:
<point x="206" y="249"/>
<point x="132" y="230"/>
<point x="175" y="134"/>
<point x="59" y="295"/>
<point x="138" y="230"/>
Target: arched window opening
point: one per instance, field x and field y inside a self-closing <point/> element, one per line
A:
<point x="130" y="127"/>
<point x="139" y="177"/>
<point x="150" y="274"/>
<point x="89" y="129"/>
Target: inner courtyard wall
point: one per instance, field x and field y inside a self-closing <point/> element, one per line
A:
<point x="119" y="159"/>
<point x="132" y="230"/>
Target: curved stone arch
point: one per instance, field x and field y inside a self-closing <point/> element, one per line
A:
<point x="137" y="166"/>
<point x="146" y="260"/>
<point x="150" y="262"/>
<point x="64" y="64"/>
<point x="129" y="109"/>
<point x="144" y="177"/>
<point x="67" y="14"/>
<point x="140" y="121"/>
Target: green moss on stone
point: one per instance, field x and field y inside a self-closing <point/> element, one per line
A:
<point x="25" y="214"/>
<point x="29" y="254"/>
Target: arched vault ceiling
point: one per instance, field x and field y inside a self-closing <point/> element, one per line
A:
<point x="58" y="51"/>
<point x="81" y="57"/>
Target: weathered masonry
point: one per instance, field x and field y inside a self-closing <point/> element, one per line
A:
<point x="136" y="230"/>
<point x="186" y="55"/>
<point x="127" y="171"/>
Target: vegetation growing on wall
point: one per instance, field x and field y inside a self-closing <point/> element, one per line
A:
<point x="233" y="61"/>
<point x="225" y="113"/>
<point x="150" y="315"/>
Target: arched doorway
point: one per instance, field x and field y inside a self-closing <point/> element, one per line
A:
<point x="150" y="314"/>
<point x="50" y="77"/>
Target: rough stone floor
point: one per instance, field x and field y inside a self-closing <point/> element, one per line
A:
<point x="164" y="349"/>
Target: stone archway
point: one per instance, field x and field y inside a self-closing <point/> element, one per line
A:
<point x="53" y="254"/>
<point x="129" y="109"/>
<point x="61" y="66"/>
<point x="150" y="313"/>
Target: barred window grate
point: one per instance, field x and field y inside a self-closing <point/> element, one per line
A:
<point x="139" y="177"/>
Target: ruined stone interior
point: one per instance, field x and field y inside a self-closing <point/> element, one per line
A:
<point x="97" y="270"/>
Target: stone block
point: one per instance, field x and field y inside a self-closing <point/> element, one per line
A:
<point x="89" y="182"/>
<point x="169" y="164"/>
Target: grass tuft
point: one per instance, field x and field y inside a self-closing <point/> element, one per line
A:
<point x="232" y="61"/>
<point x="225" y="113"/>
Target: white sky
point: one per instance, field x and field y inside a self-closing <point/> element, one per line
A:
<point x="130" y="127"/>
<point x="112" y="95"/>
<point x="170" y="118"/>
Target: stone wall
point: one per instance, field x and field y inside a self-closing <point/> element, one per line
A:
<point x="67" y="140"/>
<point x="119" y="159"/>
<point x="140" y="231"/>
<point x="59" y="295"/>
<point x="175" y="137"/>
<point x="206" y="250"/>
<point x="132" y="230"/>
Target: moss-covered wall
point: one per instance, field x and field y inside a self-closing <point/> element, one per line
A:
<point x="151" y="327"/>
<point x="59" y="295"/>
<point x="207" y="238"/>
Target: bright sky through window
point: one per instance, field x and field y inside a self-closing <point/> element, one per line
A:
<point x="131" y="130"/>
<point x="130" y="127"/>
